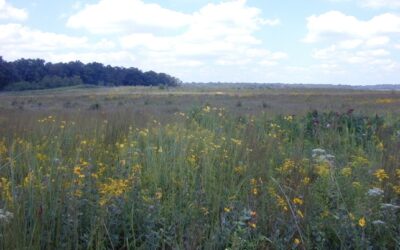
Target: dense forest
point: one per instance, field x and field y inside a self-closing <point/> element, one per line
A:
<point x="30" y="74"/>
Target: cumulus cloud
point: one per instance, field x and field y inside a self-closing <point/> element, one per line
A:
<point x="222" y="34"/>
<point x="335" y="23"/>
<point x="116" y="16"/>
<point x="346" y="40"/>
<point x="19" y="41"/>
<point x="9" y="12"/>
<point x="381" y="3"/>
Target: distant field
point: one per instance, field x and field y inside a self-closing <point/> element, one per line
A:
<point x="166" y="101"/>
<point x="199" y="168"/>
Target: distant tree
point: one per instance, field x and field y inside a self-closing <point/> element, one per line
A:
<point x="26" y="74"/>
<point x="6" y="74"/>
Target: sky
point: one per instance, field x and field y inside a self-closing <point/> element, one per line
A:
<point x="289" y="41"/>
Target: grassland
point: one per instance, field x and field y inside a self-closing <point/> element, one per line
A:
<point x="195" y="168"/>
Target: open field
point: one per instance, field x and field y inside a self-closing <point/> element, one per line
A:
<point x="198" y="168"/>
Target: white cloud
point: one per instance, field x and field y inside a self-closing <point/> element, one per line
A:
<point x="346" y="44"/>
<point x="380" y="3"/>
<point x="116" y="16"/>
<point x="7" y="11"/>
<point x="219" y="40"/>
<point x="17" y="41"/>
<point x="335" y="23"/>
<point x="121" y="16"/>
<point x="20" y="37"/>
<point x="216" y="35"/>
<point x="113" y="58"/>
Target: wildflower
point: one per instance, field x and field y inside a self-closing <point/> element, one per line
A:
<point x="78" y="172"/>
<point x="396" y="189"/>
<point x="296" y="241"/>
<point x="356" y="184"/>
<point x="236" y="141"/>
<point x="204" y="210"/>
<point x="287" y="166"/>
<point x="300" y="214"/>
<point x="378" y="222"/>
<point x="254" y="191"/>
<point x="298" y="201"/>
<point x="375" y="192"/>
<point x="346" y="171"/>
<point x="288" y="118"/>
<point x="389" y="206"/>
<point x="41" y="157"/>
<point x="159" y="195"/>
<point x="282" y="203"/>
<point x="306" y="180"/>
<point x="381" y="174"/>
<point x="227" y="209"/>
<point x="5" y="215"/>
<point x="207" y="109"/>
<point x="252" y="225"/>
<point x="325" y="214"/>
<point x="318" y="151"/>
<point x="78" y="193"/>
<point x="5" y="187"/>
<point x="380" y="146"/>
<point x="239" y="170"/>
<point x="362" y="222"/>
<point x="114" y="188"/>
<point x="323" y="169"/>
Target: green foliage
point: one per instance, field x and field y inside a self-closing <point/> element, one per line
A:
<point x="30" y="74"/>
<point x="208" y="180"/>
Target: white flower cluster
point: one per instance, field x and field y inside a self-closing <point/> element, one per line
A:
<point x="375" y="192"/>
<point x="5" y="215"/>
<point x="319" y="155"/>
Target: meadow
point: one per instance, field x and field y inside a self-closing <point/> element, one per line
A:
<point x="199" y="168"/>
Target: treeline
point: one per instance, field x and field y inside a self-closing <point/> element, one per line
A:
<point x="29" y="74"/>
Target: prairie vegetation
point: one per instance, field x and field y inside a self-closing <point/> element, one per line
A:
<point x="138" y="168"/>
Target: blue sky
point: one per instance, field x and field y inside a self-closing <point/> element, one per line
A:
<point x="292" y="41"/>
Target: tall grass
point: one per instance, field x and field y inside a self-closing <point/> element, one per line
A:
<point x="207" y="180"/>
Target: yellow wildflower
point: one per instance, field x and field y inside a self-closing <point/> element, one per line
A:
<point x="252" y="225"/>
<point x="396" y="189"/>
<point x="346" y="171"/>
<point x="298" y="201"/>
<point x="227" y="209"/>
<point x="236" y="141"/>
<point x="362" y="222"/>
<point x="239" y="170"/>
<point x="306" y="180"/>
<point x="296" y="241"/>
<point x="381" y="174"/>
<point x="114" y="188"/>
<point x="300" y="214"/>
<point x="204" y="210"/>
<point x="356" y="184"/>
<point x="323" y="169"/>
<point x="78" y="172"/>
<point x="282" y="203"/>
<point x="159" y="195"/>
